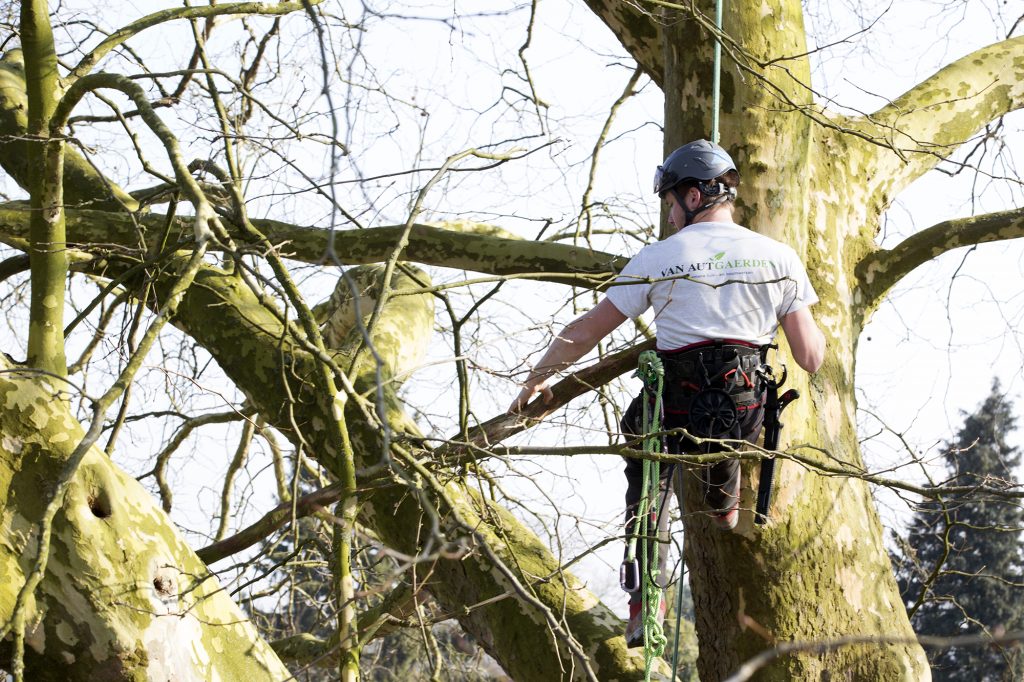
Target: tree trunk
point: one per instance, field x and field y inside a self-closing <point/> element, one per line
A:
<point x="818" y="570"/>
<point x="123" y="597"/>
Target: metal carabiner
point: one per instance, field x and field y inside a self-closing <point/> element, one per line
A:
<point x="629" y="575"/>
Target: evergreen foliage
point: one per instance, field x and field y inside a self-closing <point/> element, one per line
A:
<point x="960" y="571"/>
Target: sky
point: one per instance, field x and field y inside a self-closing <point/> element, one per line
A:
<point x="930" y="351"/>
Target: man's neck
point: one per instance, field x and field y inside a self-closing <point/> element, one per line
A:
<point x="720" y="213"/>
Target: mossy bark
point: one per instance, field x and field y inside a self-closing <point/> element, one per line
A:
<point x="83" y="186"/>
<point x="124" y="597"/>
<point x="819" y="183"/>
<point x="45" y="156"/>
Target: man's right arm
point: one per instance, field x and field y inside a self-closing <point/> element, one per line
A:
<point x="805" y="339"/>
<point x="577" y="339"/>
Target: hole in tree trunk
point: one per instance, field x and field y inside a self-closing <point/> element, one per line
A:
<point x="99" y="505"/>
<point x="164" y="585"/>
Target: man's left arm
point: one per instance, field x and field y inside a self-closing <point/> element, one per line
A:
<point x="805" y="339"/>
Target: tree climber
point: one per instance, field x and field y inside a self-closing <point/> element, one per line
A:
<point x="719" y="293"/>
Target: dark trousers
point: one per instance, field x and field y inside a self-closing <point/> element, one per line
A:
<point x="716" y="479"/>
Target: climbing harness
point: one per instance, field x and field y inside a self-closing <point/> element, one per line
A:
<point x="714" y="383"/>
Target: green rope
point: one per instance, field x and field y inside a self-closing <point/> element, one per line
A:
<point x="716" y="82"/>
<point x="652" y="373"/>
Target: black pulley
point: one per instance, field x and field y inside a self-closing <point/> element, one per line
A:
<point x="713" y="414"/>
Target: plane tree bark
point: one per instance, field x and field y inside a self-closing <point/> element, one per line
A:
<point x="818" y="182"/>
<point x="124" y="596"/>
<point x="813" y="179"/>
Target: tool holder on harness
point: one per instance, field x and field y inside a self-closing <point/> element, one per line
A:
<point x="713" y="384"/>
<point x="773" y="407"/>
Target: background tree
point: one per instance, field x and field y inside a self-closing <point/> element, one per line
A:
<point x="961" y="564"/>
<point x="256" y="188"/>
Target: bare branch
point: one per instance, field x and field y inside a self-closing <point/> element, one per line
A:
<point x="881" y="269"/>
<point x="928" y="122"/>
<point x="465" y="248"/>
<point x="90" y="60"/>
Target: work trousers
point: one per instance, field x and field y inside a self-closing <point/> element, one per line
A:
<point x="716" y="479"/>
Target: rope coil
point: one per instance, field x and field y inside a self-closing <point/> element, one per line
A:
<point x="652" y="374"/>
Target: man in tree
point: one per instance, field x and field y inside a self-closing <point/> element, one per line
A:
<point x="719" y="293"/>
<point x="961" y="564"/>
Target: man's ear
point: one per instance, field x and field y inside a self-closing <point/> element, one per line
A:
<point x="692" y="198"/>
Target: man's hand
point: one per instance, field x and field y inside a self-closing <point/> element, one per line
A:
<point x="527" y="394"/>
<point x="575" y="341"/>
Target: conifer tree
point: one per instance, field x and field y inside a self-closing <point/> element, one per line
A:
<point x="960" y="572"/>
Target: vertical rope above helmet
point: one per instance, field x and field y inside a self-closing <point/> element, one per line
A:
<point x="716" y="81"/>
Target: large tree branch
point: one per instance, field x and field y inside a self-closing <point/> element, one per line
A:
<point x="272" y="367"/>
<point x="928" y="122"/>
<point x="881" y="269"/>
<point x="462" y="249"/>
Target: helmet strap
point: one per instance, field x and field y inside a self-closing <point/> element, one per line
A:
<point x="726" y="194"/>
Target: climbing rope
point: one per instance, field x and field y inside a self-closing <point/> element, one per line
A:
<point x="716" y="81"/>
<point x="652" y="373"/>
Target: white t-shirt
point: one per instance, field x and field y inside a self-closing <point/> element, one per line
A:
<point x="713" y="281"/>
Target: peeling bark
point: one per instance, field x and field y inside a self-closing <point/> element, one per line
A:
<point x="881" y="269"/>
<point x="930" y="121"/>
<point x="124" y="597"/>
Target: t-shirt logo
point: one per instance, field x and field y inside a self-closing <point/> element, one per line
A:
<point x="719" y="263"/>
